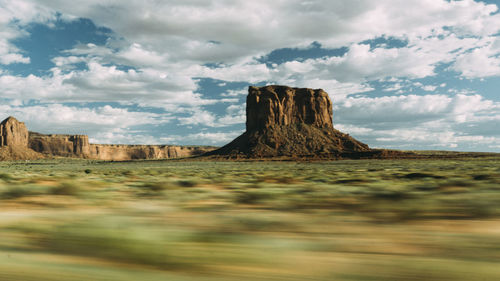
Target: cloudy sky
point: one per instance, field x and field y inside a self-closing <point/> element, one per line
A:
<point x="412" y="74"/>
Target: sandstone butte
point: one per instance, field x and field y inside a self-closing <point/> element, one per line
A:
<point x="282" y="122"/>
<point x="293" y="123"/>
<point x="17" y="143"/>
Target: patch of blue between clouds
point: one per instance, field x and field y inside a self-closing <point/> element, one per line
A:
<point x="385" y="42"/>
<point x="44" y="43"/>
<point x="315" y="50"/>
<point x="214" y="89"/>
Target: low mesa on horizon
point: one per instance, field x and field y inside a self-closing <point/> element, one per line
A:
<point x="17" y="143"/>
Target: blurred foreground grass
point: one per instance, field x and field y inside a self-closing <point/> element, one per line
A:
<point x="178" y="220"/>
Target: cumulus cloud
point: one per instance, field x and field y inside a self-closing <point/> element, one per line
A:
<point x="159" y="51"/>
<point x="209" y="138"/>
<point x="413" y="121"/>
<point x="225" y="31"/>
<point x="480" y="62"/>
<point x="14" y="15"/>
<point x="97" y="122"/>
<point x="100" y="83"/>
<point x="235" y="114"/>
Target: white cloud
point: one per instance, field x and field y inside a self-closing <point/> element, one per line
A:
<point x="96" y="122"/>
<point x="235" y="93"/>
<point x="429" y="88"/>
<point x="466" y="121"/>
<point x="227" y="31"/>
<point x="160" y="49"/>
<point x="105" y="84"/>
<point x="480" y="62"/>
<point x="199" y="117"/>
<point x="249" y="72"/>
<point x="235" y="114"/>
<point x="217" y="31"/>
<point x="9" y="58"/>
<point x="14" y="15"/>
<point x="394" y="87"/>
<point x="124" y="136"/>
<point x="212" y="138"/>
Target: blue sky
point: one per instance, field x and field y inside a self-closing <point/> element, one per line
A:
<point x="416" y="74"/>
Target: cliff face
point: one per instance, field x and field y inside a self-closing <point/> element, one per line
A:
<point x="133" y="152"/>
<point x="79" y="146"/>
<point x="281" y="105"/>
<point x="293" y="122"/>
<point x="60" y="145"/>
<point x="14" y="141"/>
<point x="13" y="133"/>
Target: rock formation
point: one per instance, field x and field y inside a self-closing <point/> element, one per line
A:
<point x="60" y="145"/>
<point x="120" y="152"/>
<point x="79" y="146"/>
<point x="14" y="141"/>
<point x="292" y="122"/>
<point x="13" y="133"/>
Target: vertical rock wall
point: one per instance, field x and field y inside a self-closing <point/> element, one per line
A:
<point x="282" y="105"/>
<point x="79" y="146"/>
<point x="13" y="133"/>
<point x="21" y="144"/>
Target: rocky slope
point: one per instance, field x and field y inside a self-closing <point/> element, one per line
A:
<point x="292" y="122"/>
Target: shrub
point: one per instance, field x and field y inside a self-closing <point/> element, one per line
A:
<point x="187" y="183"/>
<point x="16" y="192"/>
<point x="5" y="177"/>
<point x="66" y="189"/>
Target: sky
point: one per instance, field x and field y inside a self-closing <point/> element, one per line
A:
<point x="413" y="74"/>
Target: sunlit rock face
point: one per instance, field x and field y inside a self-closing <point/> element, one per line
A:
<point x="13" y="133"/>
<point x="78" y="146"/>
<point x="282" y="105"/>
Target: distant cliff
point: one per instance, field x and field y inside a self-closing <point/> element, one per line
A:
<point x="14" y="141"/>
<point x="79" y="146"/>
<point x="13" y="133"/>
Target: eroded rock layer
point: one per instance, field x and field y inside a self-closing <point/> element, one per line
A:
<point x="281" y="105"/>
<point x="293" y="122"/>
<point x="13" y="133"/>
<point x="135" y="152"/>
<point x="79" y="146"/>
<point x="14" y="141"/>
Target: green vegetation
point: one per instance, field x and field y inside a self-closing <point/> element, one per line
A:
<point x="181" y="220"/>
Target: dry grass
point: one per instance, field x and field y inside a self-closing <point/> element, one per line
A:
<point x="172" y="220"/>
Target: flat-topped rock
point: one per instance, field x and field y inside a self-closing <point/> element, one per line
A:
<point x="291" y="122"/>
